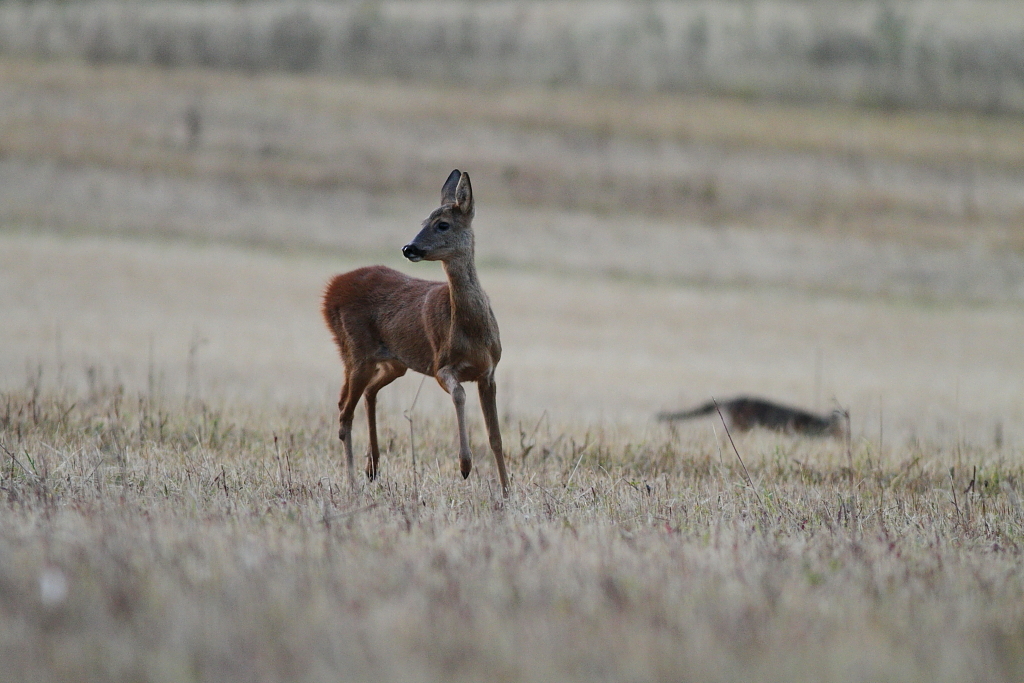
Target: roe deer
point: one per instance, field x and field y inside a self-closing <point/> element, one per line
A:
<point x="386" y="322"/>
<point x="744" y="413"/>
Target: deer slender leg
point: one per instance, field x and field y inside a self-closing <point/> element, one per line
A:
<point x="356" y="379"/>
<point x="372" y="452"/>
<point x="345" y="429"/>
<point x="386" y="374"/>
<point x="488" y="392"/>
<point x="446" y="377"/>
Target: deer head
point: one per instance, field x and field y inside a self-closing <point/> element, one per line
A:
<point x="447" y="232"/>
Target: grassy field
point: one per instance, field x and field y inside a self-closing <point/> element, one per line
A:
<point x="678" y="190"/>
<point x="145" y="539"/>
<point x="175" y="506"/>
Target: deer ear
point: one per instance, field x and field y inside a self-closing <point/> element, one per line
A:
<point x="448" y="189"/>
<point x="464" y="195"/>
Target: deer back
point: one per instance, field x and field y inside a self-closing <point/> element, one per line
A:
<point x="378" y="313"/>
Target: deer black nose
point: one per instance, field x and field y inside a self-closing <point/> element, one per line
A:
<point x="413" y="253"/>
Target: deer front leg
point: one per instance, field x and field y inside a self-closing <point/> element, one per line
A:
<point x="488" y="402"/>
<point x="446" y="377"/>
<point x="372" y="451"/>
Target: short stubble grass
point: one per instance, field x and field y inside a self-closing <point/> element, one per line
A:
<point x="159" y="539"/>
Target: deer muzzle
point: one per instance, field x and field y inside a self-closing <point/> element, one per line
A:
<point x="413" y="253"/>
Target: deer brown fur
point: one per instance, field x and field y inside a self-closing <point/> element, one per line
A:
<point x="386" y="322"/>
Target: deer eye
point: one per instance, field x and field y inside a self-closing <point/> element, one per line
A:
<point x="442" y="226"/>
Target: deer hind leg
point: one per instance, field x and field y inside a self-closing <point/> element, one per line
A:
<point x="447" y="379"/>
<point x="386" y="374"/>
<point x="488" y="402"/>
<point x="356" y="379"/>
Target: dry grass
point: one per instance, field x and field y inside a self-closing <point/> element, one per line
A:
<point x="928" y="137"/>
<point x="687" y="191"/>
<point x="149" y="539"/>
<point x="903" y="53"/>
<point x="242" y="326"/>
<point x="147" y="536"/>
<point x="914" y="178"/>
<point x="174" y="506"/>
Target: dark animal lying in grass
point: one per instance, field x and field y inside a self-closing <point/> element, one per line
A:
<point x="744" y="413"/>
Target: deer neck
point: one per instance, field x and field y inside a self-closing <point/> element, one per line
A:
<point x="470" y="308"/>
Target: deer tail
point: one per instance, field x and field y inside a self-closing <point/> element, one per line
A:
<point x="331" y="312"/>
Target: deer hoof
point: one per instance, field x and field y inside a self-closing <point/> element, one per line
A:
<point x="371" y="471"/>
<point x="466" y="466"/>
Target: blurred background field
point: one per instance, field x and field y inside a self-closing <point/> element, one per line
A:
<point x="818" y="202"/>
<point x="648" y="240"/>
